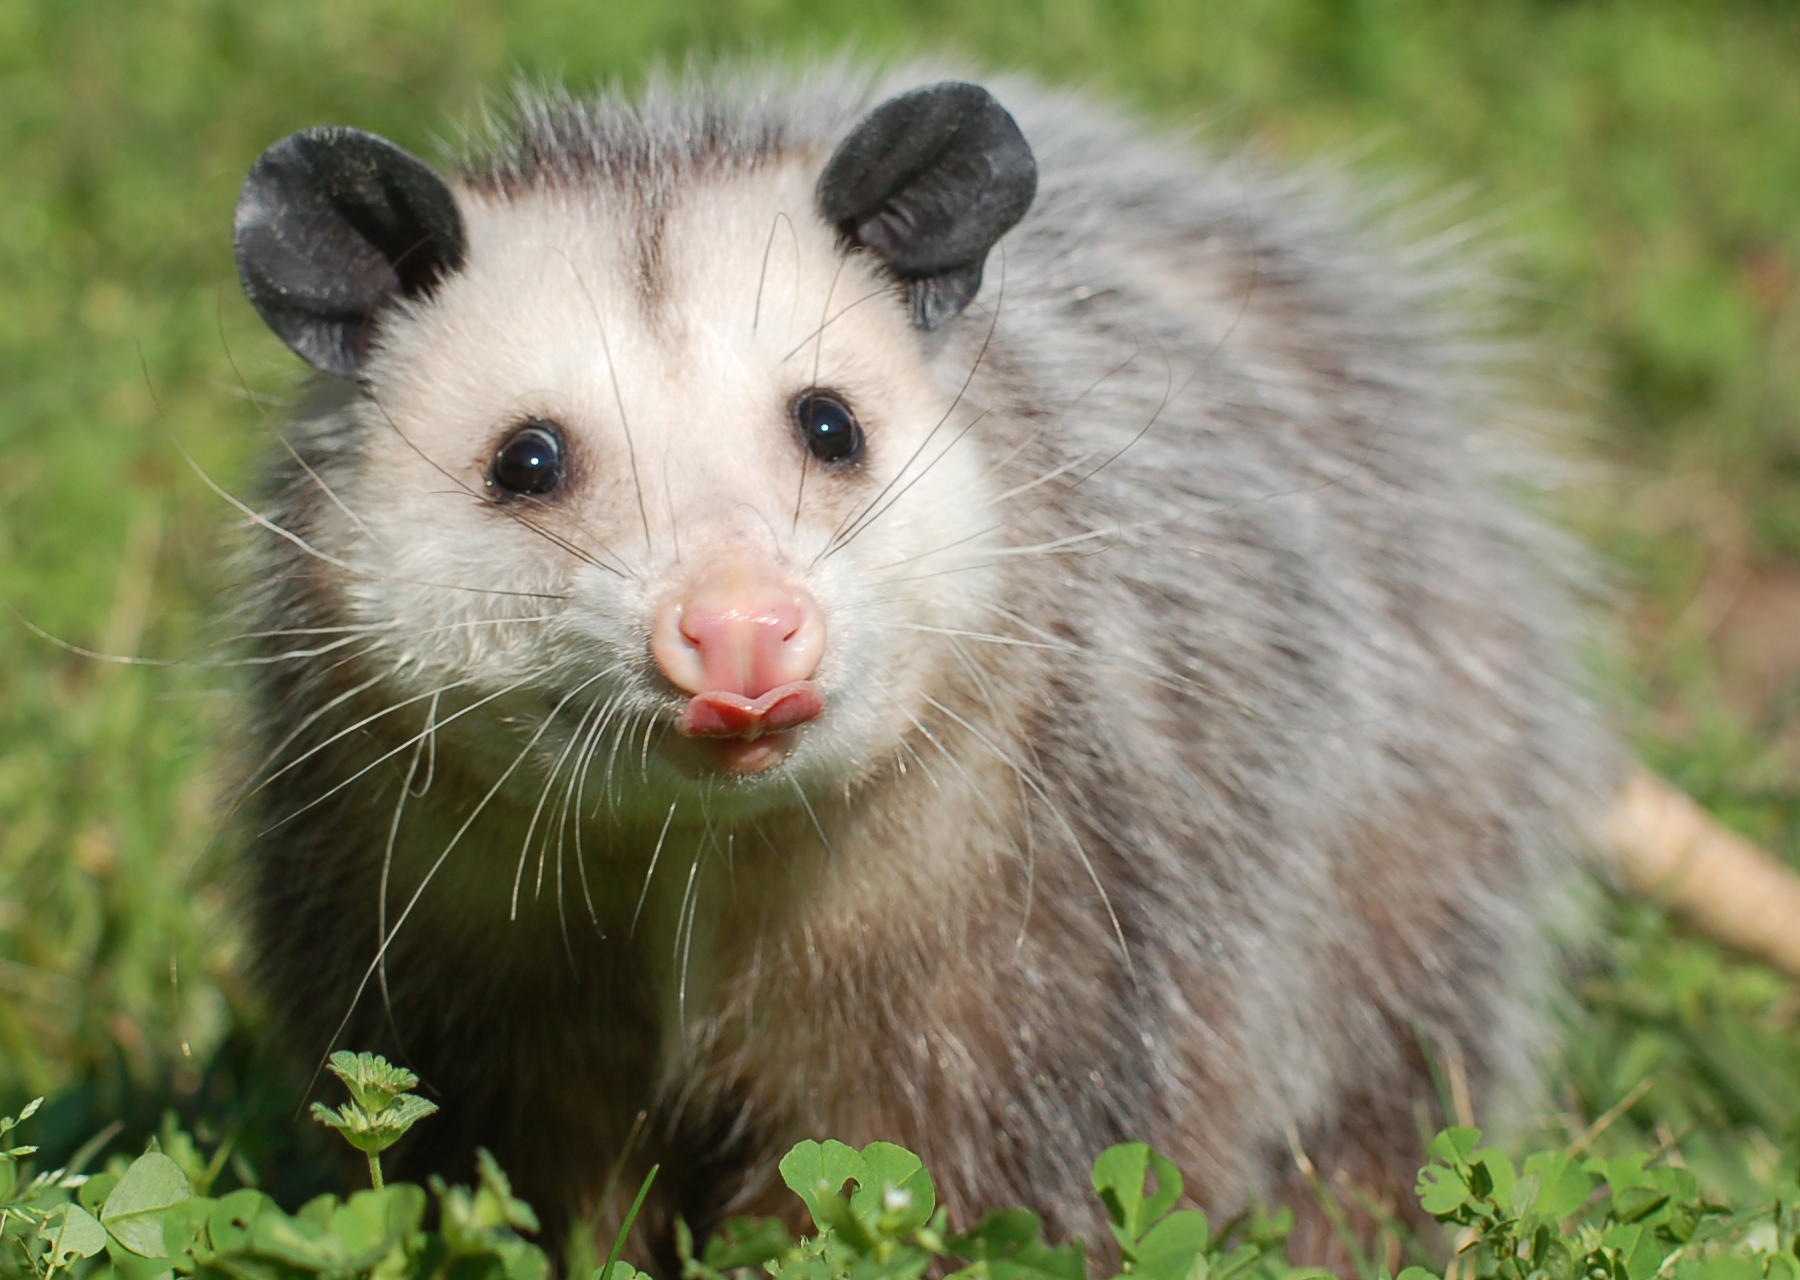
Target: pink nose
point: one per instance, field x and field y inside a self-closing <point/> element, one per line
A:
<point x="741" y="627"/>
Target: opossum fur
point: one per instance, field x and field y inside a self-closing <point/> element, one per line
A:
<point x="1203" y="743"/>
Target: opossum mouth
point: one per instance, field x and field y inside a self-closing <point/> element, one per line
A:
<point x="751" y="734"/>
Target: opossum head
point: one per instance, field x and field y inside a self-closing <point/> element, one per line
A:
<point x="665" y="458"/>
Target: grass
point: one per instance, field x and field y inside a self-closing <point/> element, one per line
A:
<point x="1641" y="160"/>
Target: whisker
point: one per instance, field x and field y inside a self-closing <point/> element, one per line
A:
<point x="270" y="423"/>
<point x="318" y="713"/>
<point x="1164" y="524"/>
<point x="986" y="637"/>
<point x="538" y="810"/>
<point x="1043" y="430"/>
<point x="1137" y="349"/>
<point x="655" y="853"/>
<point x="669" y="497"/>
<point x="361" y="576"/>
<point x="885" y="291"/>
<point x="589" y="752"/>
<point x="431" y="873"/>
<point x="360" y="724"/>
<point x="1156" y="675"/>
<point x="806" y="804"/>
<point x="124" y="660"/>
<point x="555" y="539"/>
<point x="612" y="373"/>
<point x="387" y="867"/>
<point x="256" y="517"/>
<point x="763" y="276"/>
<point x="975" y="788"/>
<point x="857" y="532"/>
<point x="644" y="756"/>
<point x="562" y="913"/>
<point x="587" y="896"/>
<point x="385" y="756"/>
<point x="1169" y="394"/>
<point x="621" y="569"/>
<point x="1024" y="487"/>
<point x="272" y="632"/>
<point x="684" y="931"/>
<point x="430" y="751"/>
<point x="839" y="535"/>
<point x="1075" y="840"/>
<point x="610" y="790"/>
<point x="289" y="655"/>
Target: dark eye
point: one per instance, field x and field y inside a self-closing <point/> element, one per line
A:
<point x="530" y="461"/>
<point x="829" y="429"/>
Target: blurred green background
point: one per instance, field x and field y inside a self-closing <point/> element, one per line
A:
<point x="1638" y="165"/>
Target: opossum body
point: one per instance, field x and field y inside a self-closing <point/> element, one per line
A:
<point x="852" y="610"/>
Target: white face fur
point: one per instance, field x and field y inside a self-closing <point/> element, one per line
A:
<point x="670" y="374"/>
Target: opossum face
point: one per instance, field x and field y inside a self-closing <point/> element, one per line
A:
<point x="701" y="488"/>
<point x="676" y="474"/>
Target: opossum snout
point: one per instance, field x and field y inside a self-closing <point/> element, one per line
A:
<point x="745" y="640"/>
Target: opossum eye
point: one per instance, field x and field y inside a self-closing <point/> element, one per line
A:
<point x="530" y="461"/>
<point x="828" y="427"/>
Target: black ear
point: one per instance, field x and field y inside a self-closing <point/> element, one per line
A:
<point x="333" y="224"/>
<point x="929" y="182"/>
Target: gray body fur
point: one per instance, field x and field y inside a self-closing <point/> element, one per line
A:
<point x="1269" y="762"/>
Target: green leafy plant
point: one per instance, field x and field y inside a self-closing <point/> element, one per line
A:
<point x="381" y="1107"/>
<point x="145" y="1219"/>
<point x="890" y="1227"/>
<point x="1562" y="1217"/>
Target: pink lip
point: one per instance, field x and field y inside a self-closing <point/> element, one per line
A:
<point x="733" y="716"/>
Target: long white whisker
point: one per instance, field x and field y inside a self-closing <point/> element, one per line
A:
<point x="387" y="868"/>
<point x="1075" y="840"/>
<point x="684" y="932"/>
<point x="273" y="427"/>
<point x="655" y="853"/>
<point x="538" y="810"/>
<point x="312" y="718"/>
<point x="574" y="796"/>
<point x="609" y="782"/>
<point x="431" y="873"/>
<point x="258" y="518"/>
<point x="1073" y="463"/>
<point x="348" y="729"/>
<point x="387" y="755"/>
<point x="587" y="896"/>
<point x="985" y="637"/>
<point x="961" y="769"/>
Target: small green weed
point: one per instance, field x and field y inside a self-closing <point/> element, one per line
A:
<point x="381" y="1109"/>
<point x="152" y="1219"/>
<point x="875" y="1216"/>
<point x="890" y="1227"/>
<point x="1559" y="1217"/>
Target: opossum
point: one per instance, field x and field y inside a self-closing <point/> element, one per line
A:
<point x="869" y="606"/>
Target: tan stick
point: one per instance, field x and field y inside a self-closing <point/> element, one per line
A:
<point x="1666" y="847"/>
